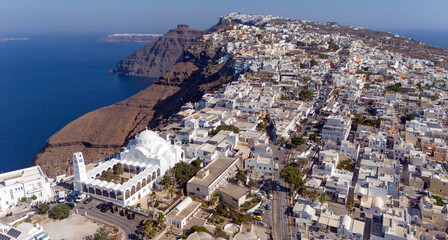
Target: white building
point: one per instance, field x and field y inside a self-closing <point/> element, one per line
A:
<point x="182" y="212"/>
<point x="336" y="128"/>
<point x="351" y="228"/>
<point x="264" y="166"/>
<point x="145" y="159"/>
<point x="27" y="182"/>
<point x="24" y="231"/>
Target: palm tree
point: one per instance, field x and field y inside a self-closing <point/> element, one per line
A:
<point x="313" y="195"/>
<point x="171" y="194"/>
<point x="323" y="198"/>
<point x="153" y="197"/>
<point x="251" y="170"/>
<point x="160" y="219"/>
<point x="349" y="207"/>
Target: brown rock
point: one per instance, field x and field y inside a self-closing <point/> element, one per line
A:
<point x="157" y="57"/>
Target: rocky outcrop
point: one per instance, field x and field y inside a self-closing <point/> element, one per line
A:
<point x="101" y="133"/>
<point x="157" y="57"/>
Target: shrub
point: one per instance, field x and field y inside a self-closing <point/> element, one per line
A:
<point x="43" y="208"/>
<point x="60" y="211"/>
<point x="197" y="228"/>
<point x="102" y="234"/>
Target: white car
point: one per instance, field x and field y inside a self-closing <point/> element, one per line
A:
<point x="80" y="198"/>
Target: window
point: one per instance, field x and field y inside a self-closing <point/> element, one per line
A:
<point x="197" y="189"/>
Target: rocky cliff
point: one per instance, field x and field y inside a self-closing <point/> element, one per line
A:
<point x="157" y="57"/>
<point x="101" y="133"/>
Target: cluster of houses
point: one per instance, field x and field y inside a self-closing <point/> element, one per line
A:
<point x="379" y="120"/>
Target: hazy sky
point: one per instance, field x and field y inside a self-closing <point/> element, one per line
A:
<point x="110" y="16"/>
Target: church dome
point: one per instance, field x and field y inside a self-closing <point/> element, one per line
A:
<point x="146" y="137"/>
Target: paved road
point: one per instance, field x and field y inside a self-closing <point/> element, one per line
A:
<point x="93" y="210"/>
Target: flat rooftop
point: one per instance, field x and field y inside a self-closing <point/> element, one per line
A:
<point x="215" y="168"/>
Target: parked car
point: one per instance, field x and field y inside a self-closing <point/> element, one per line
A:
<point x="258" y="217"/>
<point x="80" y="198"/>
<point x="270" y="196"/>
<point x="261" y="223"/>
<point x="107" y="206"/>
<point x="278" y="188"/>
<point x="88" y="199"/>
<point x="268" y="206"/>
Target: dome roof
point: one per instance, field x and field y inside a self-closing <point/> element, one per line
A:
<point x="146" y="136"/>
<point x="361" y="190"/>
<point x="346" y="221"/>
<point x="378" y="202"/>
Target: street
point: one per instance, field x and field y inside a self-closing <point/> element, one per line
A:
<point x="93" y="210"/>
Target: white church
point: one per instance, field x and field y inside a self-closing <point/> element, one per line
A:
<point x="146" y="158"/>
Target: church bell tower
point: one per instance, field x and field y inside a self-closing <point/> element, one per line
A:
<point x="79" y="170"/>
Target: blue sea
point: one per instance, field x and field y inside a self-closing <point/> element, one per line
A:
<point x="50" y="80"/>
<point x="437" y="38"/>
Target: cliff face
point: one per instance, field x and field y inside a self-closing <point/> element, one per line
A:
<point x="157" y="57"/>
<point x="101" y="133"/>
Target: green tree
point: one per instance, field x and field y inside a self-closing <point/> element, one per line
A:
<point x="33" y="197"/>
<point x="313" y="62"/>
<point x="108" y="176"/>
<point x="197" y="228"/>
<point x="221" y="208"/>
<point x="184" y="171"/>
<point x="323" y="198"/>
<point x="102" y="234"/>
<point x="43" y="208"/>
<point x="282" y="140"/>
<point x="166" y="181"/>
<point x="161" y="220"/>
<point x="303" y="162"/>
<point x="292" y="174"/>
<point x="306" y="95"/>
<point x="240" y="175"/>
<point x="118" y="169"/>
<point x="313" y="195"/>
<point x="349" y="206"/>
<point x="153" y="202"/>
<point x="407" y="117"/>
<point x="220" y="233"/>
<point x="60" y="211"/>
<point x="171" y="191"/>
<point x="313" y="137"/>
<point x="297" y="141"/>
<point x="23" y="199"/>
<point x="148" y="230"/>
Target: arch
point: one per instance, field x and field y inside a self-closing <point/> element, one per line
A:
<point x="133" y="190"/>
<point x="127" y="194"/>
<point x="119" y="196"/>
<point x="153" y="175"/>
<point x="98" y="191"/>
<point x="112" y="194"/>
<point x="158" y="172"/>
<point x="84" y="188"/>
<point x="143" y="182"/>
<point x="139" y="186"/>
<point x="91" y="190"/>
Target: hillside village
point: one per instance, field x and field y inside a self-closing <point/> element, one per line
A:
<point x="317" y="136"/>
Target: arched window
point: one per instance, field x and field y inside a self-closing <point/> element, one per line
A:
<point x="127" y="194"/>
<point x="132" y="190"/>
<point x="139" y="186"/>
